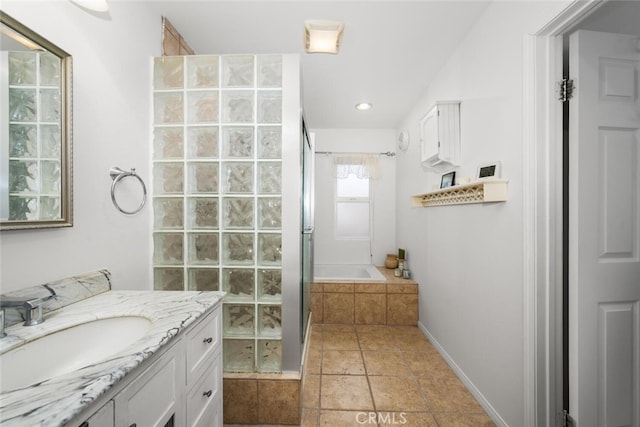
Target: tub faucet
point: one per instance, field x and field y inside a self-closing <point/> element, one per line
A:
<point x="31" y="306"/>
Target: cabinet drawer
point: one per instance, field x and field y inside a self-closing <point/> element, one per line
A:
<point x="205" y="397"/>
<point x="202" y="344"/>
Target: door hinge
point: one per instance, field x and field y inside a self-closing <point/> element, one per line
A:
<point x="567" y="420"/>
<point x="565" y="89"/>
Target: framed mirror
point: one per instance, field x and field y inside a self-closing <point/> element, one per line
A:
<point x="35" y="130"/>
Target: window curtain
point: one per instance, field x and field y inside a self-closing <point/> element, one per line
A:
<point x="364" y="166"/>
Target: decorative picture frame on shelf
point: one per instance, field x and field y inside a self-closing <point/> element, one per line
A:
<point x="490" y="170"/>
<point x="448" y="179"/>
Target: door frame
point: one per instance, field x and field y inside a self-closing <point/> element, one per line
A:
<point x="543" y="216"/>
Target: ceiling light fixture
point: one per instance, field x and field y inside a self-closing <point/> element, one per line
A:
<point x="94" y="5"/>
<point x="323" y="36"/>
<point x="363" y="106"/>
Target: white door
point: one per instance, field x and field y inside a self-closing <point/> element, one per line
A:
<point x="604" y="230"/>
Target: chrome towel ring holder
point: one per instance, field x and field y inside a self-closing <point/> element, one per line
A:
<point x="118" y="175"/>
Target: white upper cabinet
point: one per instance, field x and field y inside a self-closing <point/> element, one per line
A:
<point x="440" y="136"/>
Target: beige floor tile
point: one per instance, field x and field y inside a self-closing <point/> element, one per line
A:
<point x="309" y="417"/>
<point x="340" y="341"/>
<point x="313" y="362"/>
<point x="311" y="391"/>
<point x="385" y="363"/>
<point x="343" y="419"/>
<point x="338" y="328"/>
<point x="372" y="342"/>
<point x="348" y="392"/>
<point x="406" y="419"/>
<point x="397" y="394"/>
<point x="428" y="364"/>
<point x="448" y="395"/>
<point x="412" y="342"/>
<point x="463" y="420"/>
<point x="342" y="362"/>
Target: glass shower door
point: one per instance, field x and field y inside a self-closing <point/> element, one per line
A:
<point x="307" y="227"/>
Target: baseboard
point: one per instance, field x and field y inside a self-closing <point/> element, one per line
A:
<point x="490" y="410"/>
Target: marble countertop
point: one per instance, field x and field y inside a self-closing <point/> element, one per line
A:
<point x="58" y="400"/>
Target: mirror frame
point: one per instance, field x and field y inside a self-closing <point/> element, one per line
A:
<point x="66" y="158"/>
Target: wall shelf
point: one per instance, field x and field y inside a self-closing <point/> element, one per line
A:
<point x="476" y="192"/>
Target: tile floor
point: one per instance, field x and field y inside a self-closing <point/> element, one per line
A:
<point x="362" y="375"/>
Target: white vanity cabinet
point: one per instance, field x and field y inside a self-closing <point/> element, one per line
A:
<point x="440" y="136"/>
<point x="182" y="386"/>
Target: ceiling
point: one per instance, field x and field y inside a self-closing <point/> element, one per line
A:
<point x="390" y="50"/>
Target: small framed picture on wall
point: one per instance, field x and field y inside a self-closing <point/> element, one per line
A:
<point x="448" y="179"/>
<point x="489" y="170"/>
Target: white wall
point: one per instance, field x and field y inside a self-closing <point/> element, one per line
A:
<point x="468" y="259"/>
<point x="111" y="122"/>
<point x="329" y="250"/>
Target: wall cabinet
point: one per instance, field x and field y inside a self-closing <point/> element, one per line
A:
<point x="182" y="386"/>
<point x="440" y="136"/>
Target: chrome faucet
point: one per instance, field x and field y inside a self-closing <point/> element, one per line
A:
<point x="32" y="308"/>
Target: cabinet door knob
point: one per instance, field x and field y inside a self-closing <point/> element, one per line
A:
<point x="207" y="340"/>
<point x="207" y="393"/>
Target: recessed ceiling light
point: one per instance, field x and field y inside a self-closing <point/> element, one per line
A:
<point x="323" y="36"/>
<point x="364" y="106"/>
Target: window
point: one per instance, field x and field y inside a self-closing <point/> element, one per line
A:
<point x="352" y="205"/>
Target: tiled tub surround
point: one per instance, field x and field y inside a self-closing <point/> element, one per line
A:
<point x="392" y="302"/>
<point x="59" y="400"/>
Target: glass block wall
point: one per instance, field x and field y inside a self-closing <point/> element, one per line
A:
<point x="33" y="136"/>
<point x="217" y="197"/>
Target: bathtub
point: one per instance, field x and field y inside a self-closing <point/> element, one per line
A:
<point x="346" y="272"/>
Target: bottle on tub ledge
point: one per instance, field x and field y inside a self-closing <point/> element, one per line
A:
<point x="402" y="270"/>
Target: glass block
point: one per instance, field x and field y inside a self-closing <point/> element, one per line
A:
<point x="204" y="279"/>
<point x="23" y="141"/>
<point x="168" y="213"/>
<point x="203" y="177"/>
<point x="269" y="249"/>
<point x="269" y="320"/>
<point x="237" y="248"/>
<point x="269" y="356"/>
<point x="238" y="320"/>
<point x="22" y="68"/>
<point x="23" y="176"/>
<point x="269" y="285"/>
<point x="237" y="71"/>
<point x="238" y="355"/>
<point x="237" y="142"/>
<point x="270" y="213"/>
<point x="49" y="69"/>
<point x="50" y="208"/>
<point x="50" y="177"/>
<point x="237" y="107"/>
<point x="238" y="213"/>
<point x="202" y="107"/>
<point x="270" y="71"/>
<point x="238" y="283"/>
<point x="50" y="105"/>
<point x="23" y="208"/>
<point x="238" y="177"/>
<point x="203" y="248"/>
<point x="50" y="141"/>
<point x="22" y="105"/>
<point x="270" y="107"/>
<point x="168" y="178"/>
<point x="269" y="142"/>
<point x="202" y="142"/>
<point x="203" y="213"/>
<point x="202" y="71"/>
<point x="167" y="248"/>
<point x="168" y="72"/>
<point x="270" y="178"/>
<point x="168" y="143"/>
<point x="168" y="108"/>
<point x="168" y="279"/>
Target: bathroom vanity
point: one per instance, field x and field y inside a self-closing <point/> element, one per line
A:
<point x="169" y="372"/>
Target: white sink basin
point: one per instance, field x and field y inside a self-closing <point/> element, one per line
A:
<point x="68" y="350"/>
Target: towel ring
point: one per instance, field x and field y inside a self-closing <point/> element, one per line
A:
<point x="118" y="175"/>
